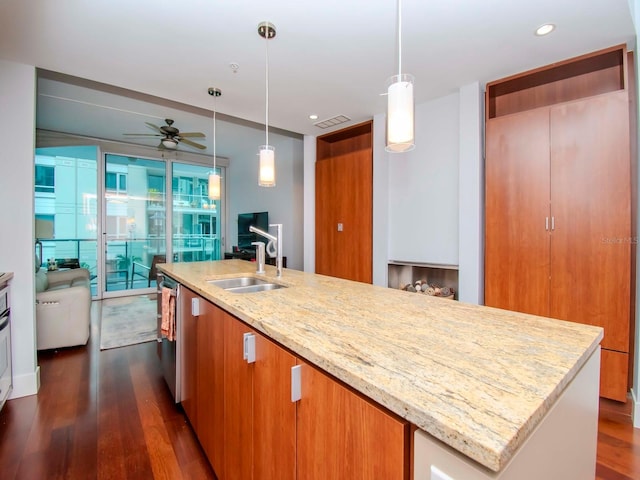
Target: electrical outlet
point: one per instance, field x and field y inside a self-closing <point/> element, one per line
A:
<point x="437" y="474"/>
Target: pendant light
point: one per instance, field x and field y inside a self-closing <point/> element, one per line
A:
<point x="400" y="108"/>
<point x="267" y="172"/>
<point x="214" y="176"/>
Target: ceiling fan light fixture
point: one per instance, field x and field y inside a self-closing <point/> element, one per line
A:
<point x="169" y="143"/>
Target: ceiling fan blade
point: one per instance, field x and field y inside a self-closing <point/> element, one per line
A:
<point x="153" y="127"/>
<point x="142" y="134"/>
<point x="193" y="134"/>
<point x="192" y="144"/>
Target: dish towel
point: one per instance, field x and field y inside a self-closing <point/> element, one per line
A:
<point x="168" y="326"/>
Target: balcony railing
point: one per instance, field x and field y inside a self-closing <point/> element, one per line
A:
<point x="121" y="253"/>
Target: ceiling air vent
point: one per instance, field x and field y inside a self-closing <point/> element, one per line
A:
<point x="332" y="122"/>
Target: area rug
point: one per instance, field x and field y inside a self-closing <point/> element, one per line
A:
<point x="127" y="321"/>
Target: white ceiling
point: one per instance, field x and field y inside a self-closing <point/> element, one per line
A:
<point x="329" y="57"/>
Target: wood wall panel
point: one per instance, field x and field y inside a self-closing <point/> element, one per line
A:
<point x="344" y="194"/>
<point x="517" y="205"/>
<point x="591" y="203"/>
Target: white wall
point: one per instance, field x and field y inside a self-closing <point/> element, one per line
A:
<point x="423" y="188"/>
<point x="284" y="202"/>
<point x="17" y="96"/>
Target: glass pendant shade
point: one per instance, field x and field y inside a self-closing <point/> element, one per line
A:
<point x="214" y="186"/>
<point x="267" y="175"/>
<point x="400" y="114"/>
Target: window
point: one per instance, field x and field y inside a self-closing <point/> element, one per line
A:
<point x="45" y="178"/>
<point x="115" y="182"/>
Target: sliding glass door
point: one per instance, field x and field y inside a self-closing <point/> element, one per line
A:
<point x="138" y="216"/>
<point x="66" y="213"/>
<point x="134" y="226"/>
<point x="195" y="217"/>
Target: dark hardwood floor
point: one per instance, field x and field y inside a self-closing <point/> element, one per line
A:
<point x="109" y="415"/>
<point x="104" y="415"/>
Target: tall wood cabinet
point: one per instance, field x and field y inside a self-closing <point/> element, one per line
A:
<point x="558" y="238"/>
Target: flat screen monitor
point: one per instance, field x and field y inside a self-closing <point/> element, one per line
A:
<point x="245" y="237"/>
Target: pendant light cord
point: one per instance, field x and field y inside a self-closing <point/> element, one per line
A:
<point x="215" y="108"/>
<point x="266" y="113"/>
<point x="399" y="39"/>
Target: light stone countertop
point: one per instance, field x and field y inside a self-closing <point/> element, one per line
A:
<point x="477" y="378"/>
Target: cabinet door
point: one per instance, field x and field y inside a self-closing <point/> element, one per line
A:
<point x="274" y="414"/>
<point x="189" y="357"/>
<point x="238" y="403"/>
<point x="210" y="384"/>
<point x="591" y="203"/>
<point x="341" y="435"/>
<point x="517" y="212"/>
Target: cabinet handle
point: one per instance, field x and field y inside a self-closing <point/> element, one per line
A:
<point x="195" y="307"/>
<point x="553" y="223"/>
<point x="296" y="383"/>
<point x="249" y="350"/>
<point x="546" y="223"/>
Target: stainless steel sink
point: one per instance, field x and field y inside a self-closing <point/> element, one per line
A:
<point x="227" y="283"/>
<point x="255" y="288"/>
<point x="245" y="284"/>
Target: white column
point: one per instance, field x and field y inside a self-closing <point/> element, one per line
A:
<point x="17" y="97"/>
<point x="471" y="205"/>
<point x="309" y="196"/>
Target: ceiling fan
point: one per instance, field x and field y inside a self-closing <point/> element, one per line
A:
<point x="171" y="136"/>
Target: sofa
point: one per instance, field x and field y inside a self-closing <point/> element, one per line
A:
<point x="63" y="308"/>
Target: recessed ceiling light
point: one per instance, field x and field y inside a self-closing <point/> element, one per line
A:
<point x="545" y="29"/>
<point x="313" y="116"/>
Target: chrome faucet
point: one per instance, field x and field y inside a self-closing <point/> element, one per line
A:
<point x="259" y="256"/>
<point x="271" y="249"/>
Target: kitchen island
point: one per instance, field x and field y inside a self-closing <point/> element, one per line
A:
<point x="475" y="382"/>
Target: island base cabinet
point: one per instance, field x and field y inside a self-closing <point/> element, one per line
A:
<point x="340" y="435"/>
<point x="562" y="447"/>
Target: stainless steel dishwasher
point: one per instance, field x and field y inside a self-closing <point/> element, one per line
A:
<point x="169" y="351"/>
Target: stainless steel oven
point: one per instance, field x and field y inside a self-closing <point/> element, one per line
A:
<point x="169" y="350"/>
<point x="5" y="346"/>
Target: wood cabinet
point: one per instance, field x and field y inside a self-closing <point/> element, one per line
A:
<point x="558" y="238"/>
<point x="240" y="406"/>
<point x="260" y="418"/>
<point x="342" y="435"/>
<point x="202" y="373"/>
<point x="189" y="357"/>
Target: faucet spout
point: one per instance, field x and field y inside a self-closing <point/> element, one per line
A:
<point x="270" y="247"/>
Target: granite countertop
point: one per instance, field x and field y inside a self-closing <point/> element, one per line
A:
<point x="5" y="277"/>
<point x="477" y="378"/>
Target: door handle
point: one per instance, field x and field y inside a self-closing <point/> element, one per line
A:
<point x="249" y="347"/>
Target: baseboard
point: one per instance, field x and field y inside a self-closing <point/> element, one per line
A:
<point x="25" y="385"/>
<point x="635" y="410"/>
